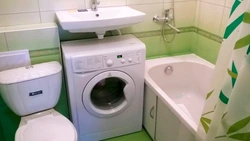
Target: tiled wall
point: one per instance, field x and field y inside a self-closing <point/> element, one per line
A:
<point x="16" y="12"/>
<point x="19" y="12"/>
<point x="211" y="16"/>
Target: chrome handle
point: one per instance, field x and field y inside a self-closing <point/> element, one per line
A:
<point x="174" y="28"/>
<point x="151" y="111"/>
<point x="156" y="19"/>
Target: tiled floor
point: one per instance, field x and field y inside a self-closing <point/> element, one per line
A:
<point x="138" y="136"/>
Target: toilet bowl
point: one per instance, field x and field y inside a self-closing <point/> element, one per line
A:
<point x="46" y="126"/>
<point x="32" y="92"/>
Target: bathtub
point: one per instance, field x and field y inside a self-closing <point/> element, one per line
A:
<point x="181" y="83"/>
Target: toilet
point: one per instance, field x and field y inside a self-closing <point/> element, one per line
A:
<point x="32" y="92"/>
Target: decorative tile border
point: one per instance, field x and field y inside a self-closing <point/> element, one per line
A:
<point x="216" y="38"/>
<point x="182" y="30"/>
<point x="159" y="32"/>
<point x="44" y="52"/>
<point x="209" y="35"/>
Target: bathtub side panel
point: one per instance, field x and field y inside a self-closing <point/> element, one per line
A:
<point x="167" y="124"/>
<point x="149" y="111"/>
<point x="184" y="134"/>
<point x="169" y="127"/>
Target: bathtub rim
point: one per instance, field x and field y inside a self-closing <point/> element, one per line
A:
<point x="190" y="124"/>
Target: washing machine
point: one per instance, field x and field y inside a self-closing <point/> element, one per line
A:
<point x="105" y="80"/>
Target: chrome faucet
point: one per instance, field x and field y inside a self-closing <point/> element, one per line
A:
<point x="166" y="20"/>
<point x="94" y="5"/>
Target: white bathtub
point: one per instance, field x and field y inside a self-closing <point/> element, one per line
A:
<point x="184" y="90"/>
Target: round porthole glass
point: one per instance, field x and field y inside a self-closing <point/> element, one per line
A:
<point x="108" y="93"/>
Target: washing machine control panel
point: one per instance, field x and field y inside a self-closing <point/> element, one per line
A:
<point x="99" y="62"/>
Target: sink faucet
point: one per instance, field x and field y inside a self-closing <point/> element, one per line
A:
<point x="94" y="5"/>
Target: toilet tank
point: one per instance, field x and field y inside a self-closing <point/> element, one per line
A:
<point x="31" y="89"/>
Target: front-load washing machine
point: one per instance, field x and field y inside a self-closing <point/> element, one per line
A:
<point x="105" y="80"/>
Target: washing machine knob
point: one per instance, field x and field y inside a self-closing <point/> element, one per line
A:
<point x="109" y="62"/>
<point x="130" y="60"/>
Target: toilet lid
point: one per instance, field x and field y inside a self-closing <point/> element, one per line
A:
<point x="47" y="128"/>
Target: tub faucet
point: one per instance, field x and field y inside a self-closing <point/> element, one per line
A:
<point x="166" y="20"/>
<point x="94" y="5"/>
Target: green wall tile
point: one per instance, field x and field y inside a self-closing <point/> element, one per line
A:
<point x="154" y="46"/>
<point x="3" y="45"/>
<point x="41" y="59"/>
<point x="2" y="136"/>
<point x="206" y="48"/>
<point x="9" y="122"/>
<point x="62" y="105"/>
<point x="181" y="43"/>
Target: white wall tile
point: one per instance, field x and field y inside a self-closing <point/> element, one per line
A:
<point x="148" y="24"/>
<point x="210" y="17"/>
<point x="168" y="1"/>
<point x="229" y="3"/>
<point x="165" y="7"/>
<point x="49" y="16"/>
<point x="107" y="3"/>
<point x="183" y="0"/>
<point x="2" y="29"/>
<point x="130" y="2"/>
<point x="18" y="6"/>
<point x="185" y="13"/>
<point x="33" y="39"/>
<point x="224" y="22"/>
<point x="3" y="45"/>
<point x="53" y="5"/>
<point x="197" y="14"/>
<point x="18" y="19"/>
<point x="217" y="2"/>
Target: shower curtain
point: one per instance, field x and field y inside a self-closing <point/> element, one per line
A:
<point x="226" y="115"/>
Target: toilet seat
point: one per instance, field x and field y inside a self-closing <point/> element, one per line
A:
<point x="48" y="127"/>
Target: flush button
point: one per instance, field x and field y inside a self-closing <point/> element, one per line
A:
<point x="130" y="60"/>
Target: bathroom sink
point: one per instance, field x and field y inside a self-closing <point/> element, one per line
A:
<point x="99" y="21"/>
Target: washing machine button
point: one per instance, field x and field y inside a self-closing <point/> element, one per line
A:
<point x="130" y="60"/>
<point x="109" y="62"/>
<point x="122" y="61"/>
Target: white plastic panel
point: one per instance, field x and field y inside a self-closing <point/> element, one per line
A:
<point x="98" y="62"/>
<point x="14" y="59"/>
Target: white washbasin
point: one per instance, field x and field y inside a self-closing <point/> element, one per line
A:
<point x="99" y="21"/>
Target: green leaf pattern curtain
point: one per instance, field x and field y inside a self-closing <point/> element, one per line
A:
<point x="226" y="115"/>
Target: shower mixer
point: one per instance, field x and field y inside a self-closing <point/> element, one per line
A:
<point x="166" y="20"/>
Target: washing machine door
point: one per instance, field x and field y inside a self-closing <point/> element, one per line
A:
<point x="108" y="94"/>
